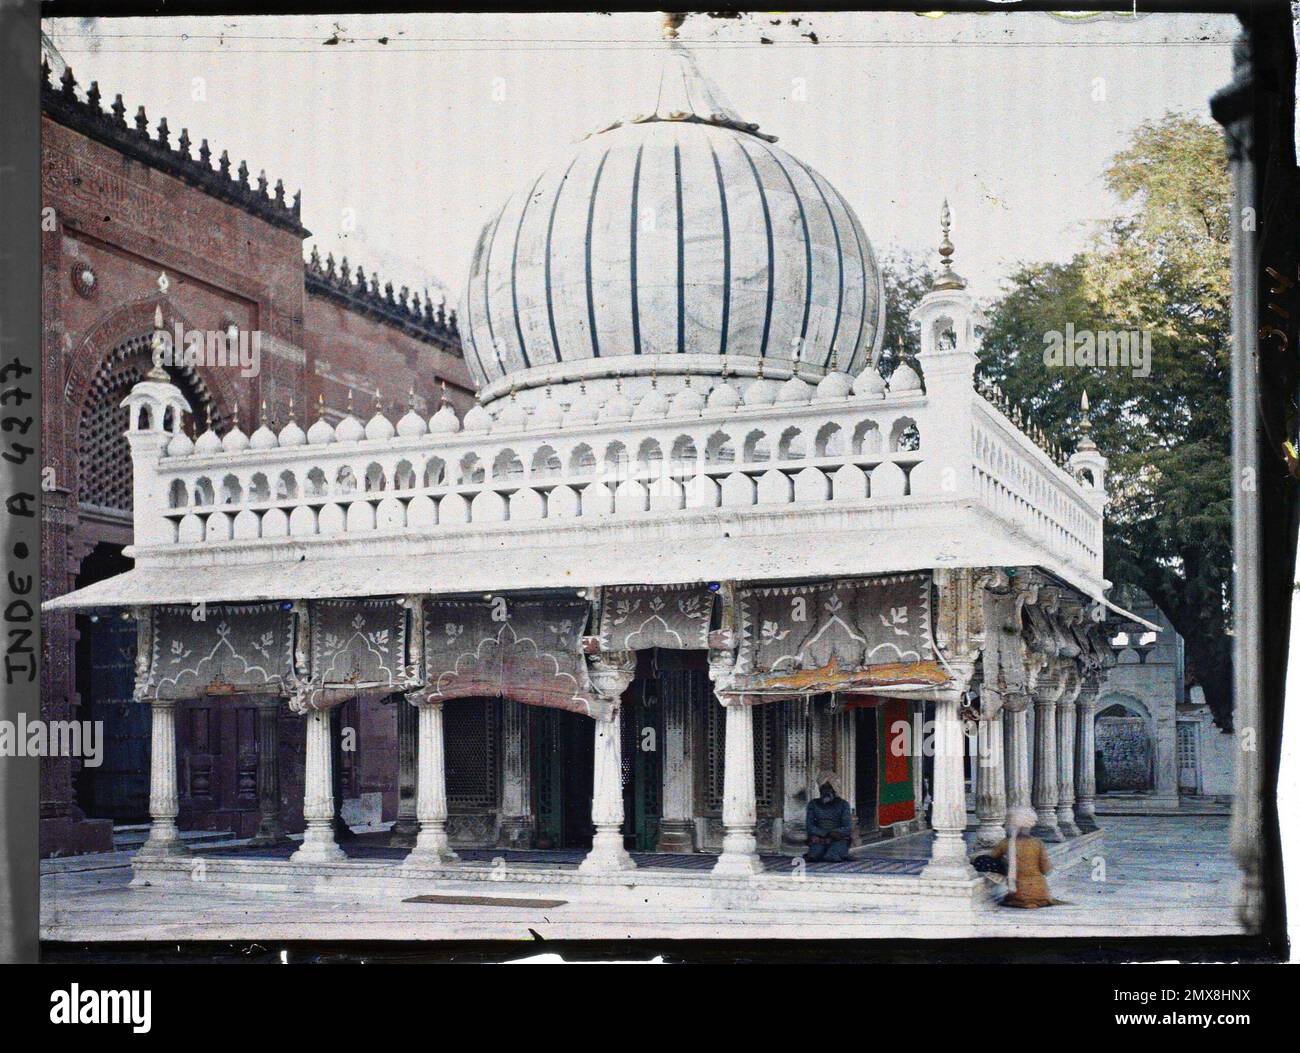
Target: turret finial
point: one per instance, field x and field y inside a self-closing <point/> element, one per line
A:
<point x="320" y="406"/>
<point x="292" y="417"/>
<point x="948" y="278"/>
<point x="158" y="346"/>
<point x="1085" y="425"/>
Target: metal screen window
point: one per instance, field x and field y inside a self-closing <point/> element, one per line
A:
<point x="105" y="456"/>
<point x="471" y="730"/>
<point x="766" y="756"/>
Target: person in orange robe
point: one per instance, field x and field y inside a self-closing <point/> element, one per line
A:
<point x="1027" y="863"/>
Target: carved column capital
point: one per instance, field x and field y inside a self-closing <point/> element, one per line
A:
<point x="611" y="672"/>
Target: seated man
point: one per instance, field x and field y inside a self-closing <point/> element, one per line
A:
<point x="829" y="823"/>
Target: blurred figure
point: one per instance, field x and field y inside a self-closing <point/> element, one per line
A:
<point x="830" y="823"/>
<point x="1027" y="862"/>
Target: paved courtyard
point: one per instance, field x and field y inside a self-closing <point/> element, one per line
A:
<point x="1166" y="876"/>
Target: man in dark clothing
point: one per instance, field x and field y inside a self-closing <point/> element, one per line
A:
<point x="830" y="826"/>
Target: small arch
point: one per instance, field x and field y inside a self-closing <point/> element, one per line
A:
<point x="169" y="420"/>
<point x="472" y="471"/>
<point x="719" y="449"/>
<point x="905" y="436"/>
<point x="179" y="496"/>
<point x="616" y="460"/>
<point x="830" y="441"/>
<point x="507" y="465"/>
<point x="791" y="446"/>
<point x="685" y="455"/>
<point x="650" y="457"/>
<point x="286" y="487"/>
<point x="231" y="492"/>
<point x="435" y="472"/>
<point x="583" y="460"/>
<point x="546" y="463"/>
<point x="316" y="484"/>
<point x="404" y="476"/>
<point x="259" y="489"/>
<point x="375" y="478"/>
<point x="204" y="493"/>
<point x="866" y="437"/>
<point x="345" y="482"/>
<point x="757" y="448"/>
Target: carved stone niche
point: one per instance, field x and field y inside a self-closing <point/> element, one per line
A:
<point x="1007" y="666"/>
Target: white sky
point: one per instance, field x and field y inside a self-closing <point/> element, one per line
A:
<point x="997" y="112"/>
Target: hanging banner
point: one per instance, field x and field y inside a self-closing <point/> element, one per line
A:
<point x="529" y="651"/>
<point x="896" y="737"/>
<point x="231" y="649"/>
<point x="849" y="635"/>
<point x="639" y="617"/>
<point x="356" y="646"/>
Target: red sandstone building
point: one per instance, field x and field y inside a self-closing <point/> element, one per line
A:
<point x="124" y="203"/>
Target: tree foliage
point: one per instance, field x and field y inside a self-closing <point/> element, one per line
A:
<point x="1160" y="265"/>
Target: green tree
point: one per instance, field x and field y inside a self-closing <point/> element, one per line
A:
<point x="907" y="277"/>
<point x="1159" y="265"/>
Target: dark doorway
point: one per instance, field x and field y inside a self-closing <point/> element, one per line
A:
<point x="659" y="673"/>
<point x="563" y="756"/>
<point x="105" y="671"/>
<point x="866" y="778"/>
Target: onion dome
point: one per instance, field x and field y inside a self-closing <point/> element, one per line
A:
<point x="904" y="379"/>
<point x="618" y="408"/>
<point x="349" y="429"/>
<point x="445" y="421"/>
<point x="412" y="425"/>
<point x="753" y="253"/>
<point x="180" y="445"/>
<point x="549" y="414"/>
<point x="235" y="441"/>
<point x="760" y="391"/>
<point x="477" y="419"/>
<point x="688" y="401"/>
<point x="322" y="431"/>
<point x="208" y="442"/>
<point x="723" y="396"/>
<point x="379" y="427"/>
<point x="653" y="404"/>
<point x="870" y="384"/>
<point x="583" y="409"/>
<point x="835" y="385"/>
<point x="291" y="434"/>
<point x="795" y="392"/>
<point x="513" y="417"/>
<point x="264" y="438"/>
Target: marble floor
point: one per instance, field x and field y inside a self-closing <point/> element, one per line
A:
<point x="1152" y="876"/>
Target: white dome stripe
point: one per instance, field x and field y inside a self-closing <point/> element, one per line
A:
<point x="807" y="247"/>
<point x="514" y="274"/>
<point x="839" y="260"/>
<point x="771" y="251"/>
<point x="591" y="218"/>
<point x="550" y="232"/>
<point x="726" y="251"/>
<point x="633" y="225"/>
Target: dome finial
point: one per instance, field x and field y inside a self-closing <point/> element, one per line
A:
<point x="672" y="22"/>
<point x="948" y="278"/>
<point x="293" y="419"/>
<point x="320" y="406"/>
<point x="158" y="346"/>
<point x="1085" y="424"/>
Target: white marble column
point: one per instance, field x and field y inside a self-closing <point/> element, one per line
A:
<point x="431" y="845"/>
<point x="1016" y="758"/>
<point x="270" y="829"/>
<point x="990" y="782"/>
<point x="948" y="857"/>
<point x="164" y="802"/>
<point x="318" y="844"/>
<point x="739" y="806"/>
<point x="407" y="824"/>
<point x="1065" y="725"/>
<point x="516" y="828"/>
<point x="797" y="778"/>
<point x="677" y="823"/>
<point x="1050" y="685"/>
<point x="1085" y="808"/>
<point x="611" y="674"/>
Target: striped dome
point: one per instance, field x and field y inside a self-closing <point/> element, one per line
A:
<point x="663" y="245"/>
